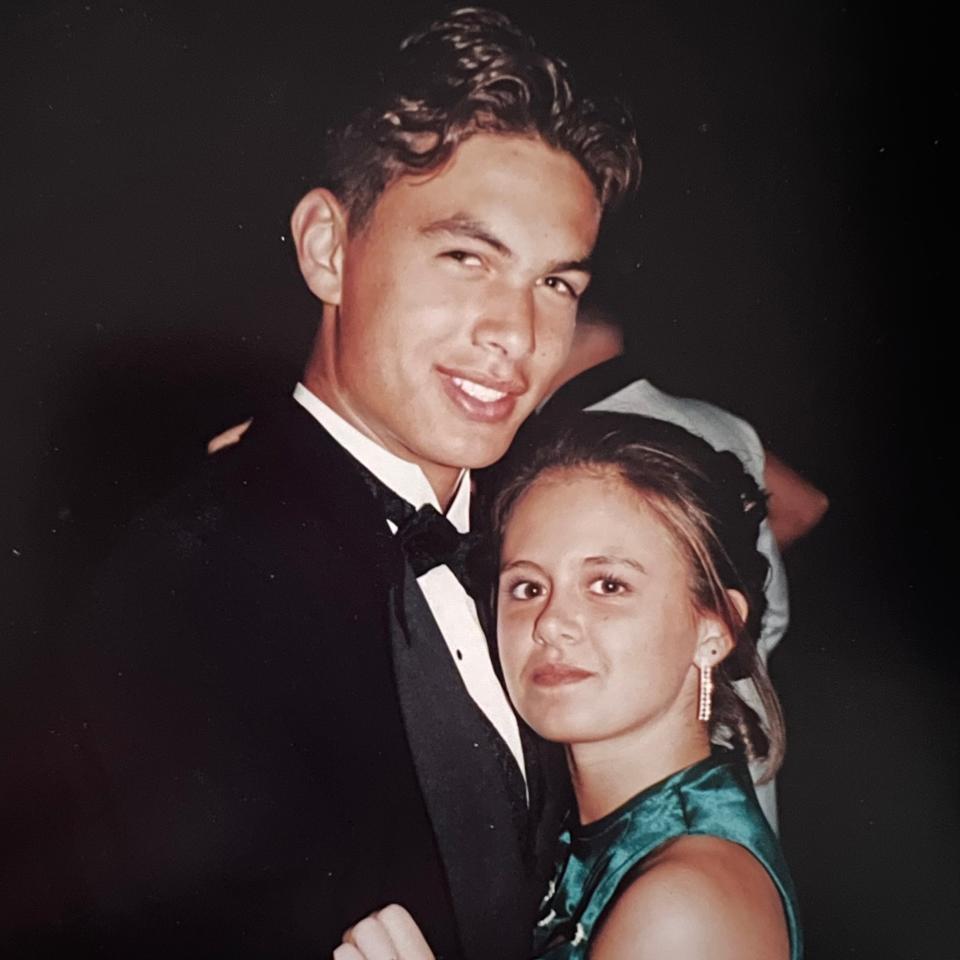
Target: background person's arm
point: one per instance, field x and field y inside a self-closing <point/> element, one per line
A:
<point x="229" y="437"/>
<point x="795" y="506"/>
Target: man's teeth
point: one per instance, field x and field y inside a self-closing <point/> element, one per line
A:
<point x="478" y="391"/>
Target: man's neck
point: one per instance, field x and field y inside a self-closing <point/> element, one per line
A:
<point x="443" y="480"/>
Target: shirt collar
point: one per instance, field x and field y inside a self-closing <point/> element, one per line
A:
<point x="404" y="478"/>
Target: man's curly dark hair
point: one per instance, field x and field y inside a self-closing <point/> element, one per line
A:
<point x="474" y="71"/>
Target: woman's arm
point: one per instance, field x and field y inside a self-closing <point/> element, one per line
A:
<point x="700" y="897"/>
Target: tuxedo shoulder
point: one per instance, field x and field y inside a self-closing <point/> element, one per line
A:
<point x="238" y="567"/>
<point x="262" y="538"/>
<point x="278" y="490"/>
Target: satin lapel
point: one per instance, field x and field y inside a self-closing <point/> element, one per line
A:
<point x="472" y="788"/>
<point x="551" y="797"/>
<point x="463" y="767"/>
<point x="547" y="785"/>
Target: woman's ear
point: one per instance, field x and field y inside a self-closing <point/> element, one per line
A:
<point x="714" y="642"/>
<point x="319" y="230"/>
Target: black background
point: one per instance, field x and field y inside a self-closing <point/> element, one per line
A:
<point x="787" y="259"/>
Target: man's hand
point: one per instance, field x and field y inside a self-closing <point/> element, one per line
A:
<point x="387" y="934"/>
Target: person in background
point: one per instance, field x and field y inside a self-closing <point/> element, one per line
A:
<point x="795" y="506"/>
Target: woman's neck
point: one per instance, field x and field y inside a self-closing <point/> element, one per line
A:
<point x="607" y="773"/>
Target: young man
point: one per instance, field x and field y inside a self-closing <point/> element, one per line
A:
<point x="287" y="711"/>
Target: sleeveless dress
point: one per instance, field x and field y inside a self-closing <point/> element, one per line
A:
<point x="713" y="798"/>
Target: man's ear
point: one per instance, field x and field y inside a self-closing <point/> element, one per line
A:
<point x="319" y="230"/>
<point x="714" y="642"/>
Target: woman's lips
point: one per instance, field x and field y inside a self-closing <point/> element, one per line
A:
<point x="483" y="402"/>
<point x="558" y="675"/>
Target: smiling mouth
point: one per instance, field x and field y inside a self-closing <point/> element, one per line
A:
<point x="559" y="675"/>
<point x="478" y="391"/>
<point x="481" y="402"/>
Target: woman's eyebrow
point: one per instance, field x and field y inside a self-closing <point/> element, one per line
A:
<point x="606" y="560"/>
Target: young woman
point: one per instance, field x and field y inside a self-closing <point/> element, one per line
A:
<point x="630" y="598"/>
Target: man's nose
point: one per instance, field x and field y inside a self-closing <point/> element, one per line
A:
<point x="508" y="321"/>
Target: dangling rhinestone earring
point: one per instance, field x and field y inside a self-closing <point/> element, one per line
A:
<point x="706" y="692"/>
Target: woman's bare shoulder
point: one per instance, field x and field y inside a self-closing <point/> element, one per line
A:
<point x="697" y="897"/>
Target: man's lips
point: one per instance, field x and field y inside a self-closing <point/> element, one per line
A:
<point x="480" y="397"/>
<point x="558" y="675"/>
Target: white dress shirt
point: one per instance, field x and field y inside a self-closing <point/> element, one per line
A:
<point x="451" y="605"/>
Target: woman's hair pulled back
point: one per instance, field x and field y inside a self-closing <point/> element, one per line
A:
<point x="712" y="509"/>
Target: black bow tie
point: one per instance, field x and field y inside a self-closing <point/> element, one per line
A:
<point x="428" y="539"/>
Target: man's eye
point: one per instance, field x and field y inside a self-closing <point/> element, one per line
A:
<point x="561" y="286"/>
<point x="526" y="590"/>
<point x="608" y="587"/>
<point x="465" y="257"/>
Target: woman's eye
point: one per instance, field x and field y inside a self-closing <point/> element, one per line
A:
<point x="526" y="590"/>
<point x="608" y="587"/>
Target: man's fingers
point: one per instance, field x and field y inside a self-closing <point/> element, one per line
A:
<point x="371" y="939"/>
<point x="404" y="933"/>
<point x="347" y="951"/>
<point x="388" y="934"/>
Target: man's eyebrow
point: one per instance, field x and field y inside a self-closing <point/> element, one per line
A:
<point x="460" y="225"/>
<point x="605" y="560"/>
<point x="463" y="226"/>
<point x="584" y="266"/>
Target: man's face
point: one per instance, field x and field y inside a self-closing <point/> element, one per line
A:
<point x="458" y="301"/>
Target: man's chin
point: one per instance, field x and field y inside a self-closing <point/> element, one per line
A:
<point x="474" y="455"/>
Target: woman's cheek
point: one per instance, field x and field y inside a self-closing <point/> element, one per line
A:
<point x="510" y="643"/>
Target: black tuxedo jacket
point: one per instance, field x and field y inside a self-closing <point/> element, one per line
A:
<point x="261" y="755"/>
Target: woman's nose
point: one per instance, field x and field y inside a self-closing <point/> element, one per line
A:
<point x="557" y="625"/>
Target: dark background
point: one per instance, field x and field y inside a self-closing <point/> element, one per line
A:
<point x="788" y="260"/>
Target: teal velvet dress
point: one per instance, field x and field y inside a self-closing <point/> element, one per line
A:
<point x="712" y="798"/>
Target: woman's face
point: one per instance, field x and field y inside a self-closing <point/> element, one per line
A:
<point x="596" y="628"/>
